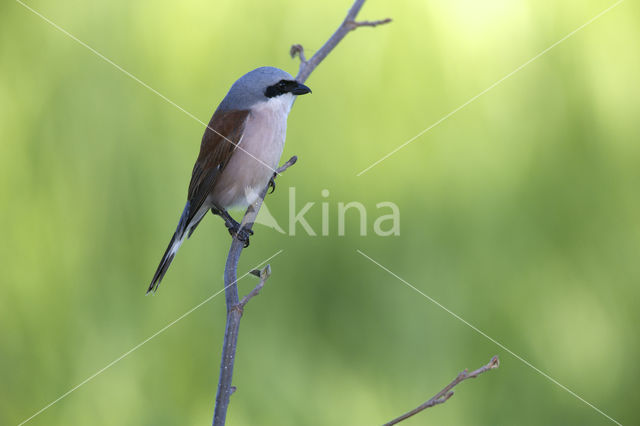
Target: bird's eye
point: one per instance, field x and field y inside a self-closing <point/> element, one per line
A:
<point x="277" y="89"/>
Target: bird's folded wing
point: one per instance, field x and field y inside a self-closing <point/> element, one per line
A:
<point x="218" y="144"/>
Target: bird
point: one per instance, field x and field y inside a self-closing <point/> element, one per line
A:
<point x="239" y="151"/>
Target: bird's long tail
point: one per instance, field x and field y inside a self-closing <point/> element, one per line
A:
<point x="169" y="254"/>
<point x="182" y="232"/>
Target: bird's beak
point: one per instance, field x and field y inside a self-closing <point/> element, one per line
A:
<point x="300" y="89"/>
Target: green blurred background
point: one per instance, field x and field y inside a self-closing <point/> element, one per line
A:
<point x="520" y="213"/>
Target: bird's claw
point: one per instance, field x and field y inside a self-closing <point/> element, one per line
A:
<point x="272" y="183"/>
<point x="239" y="233"/>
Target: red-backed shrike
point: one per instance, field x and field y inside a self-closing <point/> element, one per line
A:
<point x="239" y="152"/>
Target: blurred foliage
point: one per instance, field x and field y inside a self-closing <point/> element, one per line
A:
<point x="520" y="213"/>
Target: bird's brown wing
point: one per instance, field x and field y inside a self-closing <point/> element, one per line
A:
<point x="218" y="144"/>
<point x="215" y="151"/>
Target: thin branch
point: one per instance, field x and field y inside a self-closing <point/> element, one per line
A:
<point x="446" y="393"/>
<point x="264" y="276"/>
<point x="298" y="50"/>
<point x="286" y="165"/>
<point x="234" y="306"/>
<point x="349" y="24"/>
<point x="356" y="24"/>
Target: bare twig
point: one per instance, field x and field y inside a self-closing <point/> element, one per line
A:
<point x="234" y="306"/>
<point x="356" y="24"/>
<point x="298" y="50"/>
<point x="349" y="24"/>
<point x="264" y="276"/>
<point x="447" y="392"/>
<point x="286" y="165"/>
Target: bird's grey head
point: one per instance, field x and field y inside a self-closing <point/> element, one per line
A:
<point x="261" y="85"/>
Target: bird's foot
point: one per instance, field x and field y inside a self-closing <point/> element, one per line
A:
<point x="238" y="232"/>
<point x="272" y="183"/>
<point x="234" y="227"/>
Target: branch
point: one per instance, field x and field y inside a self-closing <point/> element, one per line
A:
<point x="446" y="393"/>
<point x="349" y="24"/>
<point x="234" y="306"/>
<point x="286" y="165"/>
<point x="356" y="24"/>
<point x="264" y="276"/>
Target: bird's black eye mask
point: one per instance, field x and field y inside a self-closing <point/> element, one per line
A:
<point x="286" y="86"/>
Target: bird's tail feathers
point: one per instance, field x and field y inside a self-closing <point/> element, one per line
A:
<point x="169" y="254"/>
<point x="176" y="241"/>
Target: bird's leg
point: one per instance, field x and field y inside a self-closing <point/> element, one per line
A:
<point x="230" y="222"/>
<point x="234" y="227"/>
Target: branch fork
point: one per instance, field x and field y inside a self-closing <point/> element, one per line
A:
<point x="298" y="50"/>
<point x="352" y="25"/>
<point x="349" y="24"/>
<point x="446" y="393"/>
<point x="264" y="275"/>
<point x="235" y="307"/>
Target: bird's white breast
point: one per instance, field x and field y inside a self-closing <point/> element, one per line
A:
<point x="257" y="155"/>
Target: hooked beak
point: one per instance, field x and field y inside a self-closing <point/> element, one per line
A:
<point x="300" y="89"/>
